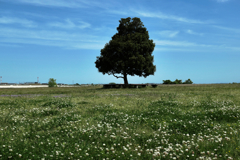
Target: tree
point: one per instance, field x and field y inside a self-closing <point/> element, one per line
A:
<point x="52" y="82"/>
<point x="178" y="81"/>
<point x="167" y="81"/>
<point x="188" y="82"/>
<point x="129" y="52"/>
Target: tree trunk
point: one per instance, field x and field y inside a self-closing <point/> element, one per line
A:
<point x="125" y="80"/>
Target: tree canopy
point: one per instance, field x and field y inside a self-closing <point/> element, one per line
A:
<point x="129" y="52"/>
<point x="52" y="82"/>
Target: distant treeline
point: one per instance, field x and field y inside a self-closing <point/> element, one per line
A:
<point x="177" y="82"/>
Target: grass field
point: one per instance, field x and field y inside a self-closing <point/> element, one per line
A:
<point x="167" y="122"/>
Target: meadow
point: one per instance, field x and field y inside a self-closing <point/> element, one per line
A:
<point x="168" y="122"/>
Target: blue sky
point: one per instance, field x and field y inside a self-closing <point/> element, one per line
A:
<point x="60" y="39"/>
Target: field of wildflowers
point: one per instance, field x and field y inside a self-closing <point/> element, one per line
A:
<point x="167" y="122"/>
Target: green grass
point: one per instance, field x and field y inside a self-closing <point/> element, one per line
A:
<point x="167" y="122"/>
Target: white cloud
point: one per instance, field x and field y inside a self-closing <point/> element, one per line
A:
<point x="118" y="12"/>
<point x="175" y="49"/>
<point x="51" y="38"/>
<point x="223" y="0"/>
<point x="64" y="3"/>
<point x="16" y="37"/>
<point x="190" y="31"/>
<point x="166" y="45"/>
<point x="61" y="44"/>
<point x="12" y="20"/>
<point x="169" y="34"/>
<point x="9" y="45"/>
<point x="44" y="35"/>
<point x="193" y="33"/>
<point x="173" y="43"/>
<point x="69" y="24"/>
<point x="227" y="29"/>
<point x="234" y="48"/>
<point x="165" y="16"/>
<point x="53" y="3"/>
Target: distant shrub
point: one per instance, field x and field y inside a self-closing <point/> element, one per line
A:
<point x="188" y="82"/>
<point x="167" y="82"/>
<point x="178" y="81"/>
<point x="112" y="83"/>
<point x="154" y="85"/>
<point x="52" y="82"/>
<point x="77" y="84"/>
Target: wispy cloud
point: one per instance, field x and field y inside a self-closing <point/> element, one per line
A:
<point x="227" y="29"/>
<point x="234" y="48"/>
<point x="175" y="49"/>
<point x="122" y="12"/>
<point x="9" y="45"/>
<point x="51" y="38"/>
<point x="222" y="1"/>
<point x="193" y="33"/>
<point x="64" y="3"/>
<point x="161" y="15"/>
<point x="13" y="20"/>
<point x="70" y="25"/>
<point x="168" y="33"/>
<point x="173" y="43"/>
<point x="61" y="44"/>
<point x="53" y="3"/>
<point x="166" y="45"/>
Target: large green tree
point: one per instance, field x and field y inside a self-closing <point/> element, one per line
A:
<point x="129" y="52"/>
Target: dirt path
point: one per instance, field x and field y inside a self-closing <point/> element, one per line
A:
<point x="22" y="86"/>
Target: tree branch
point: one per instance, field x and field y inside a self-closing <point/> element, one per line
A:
<point x="117" y="76"/>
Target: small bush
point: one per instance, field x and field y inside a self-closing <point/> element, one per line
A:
<point x="167" y="82"/>
<point x="52" y="82"/>
<point x="188" y="82"/>
<point x="112" y="83"/>
<point x="154" y="85"/>
<point x="178" y="81"/>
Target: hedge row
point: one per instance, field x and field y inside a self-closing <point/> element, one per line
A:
<point x="177" y="82"/>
